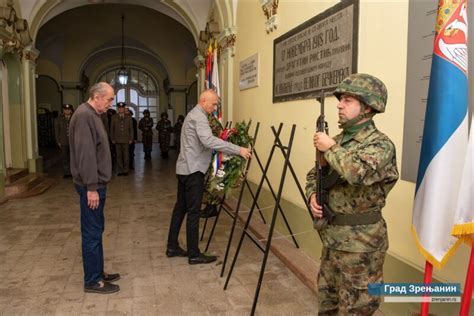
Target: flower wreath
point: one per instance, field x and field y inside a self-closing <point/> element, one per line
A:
<point x="228" y="169"/>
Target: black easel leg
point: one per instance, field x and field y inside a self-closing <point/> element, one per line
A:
<point x="247" y="223"/>
<point x="274" y="196"/>
<point x="272" y="226"/>
<point x="215" y="223"/>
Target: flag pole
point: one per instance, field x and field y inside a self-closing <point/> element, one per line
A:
<point x="467" y="295"/>
<point x="425" y="305"/>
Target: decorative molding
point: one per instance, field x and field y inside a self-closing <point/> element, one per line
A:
<point x="226" y="41"/>
<point x="14" y="31"/>
<point x="30" y="53"/>
<point x="200" y="61"/>
<point x="270" y="8"/>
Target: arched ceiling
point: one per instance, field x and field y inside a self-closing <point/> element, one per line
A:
<point x="190" y="13"/>
<point x="88" y="39"/>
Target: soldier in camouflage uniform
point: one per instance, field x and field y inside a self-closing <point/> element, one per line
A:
<point x="146" y="125"/>
<point x="177" y="132"/>
<point x="61" y="128"/>
<point x="164" y="129"/>
<point x="211" y="197"/>
<point x="355" y="241"/>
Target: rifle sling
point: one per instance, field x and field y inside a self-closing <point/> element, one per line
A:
<point x="366" y="218"/>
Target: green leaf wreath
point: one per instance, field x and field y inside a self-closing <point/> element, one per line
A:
<point x="231" y="168"/>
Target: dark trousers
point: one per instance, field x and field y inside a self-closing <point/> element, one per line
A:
<point x="131" y="155"/>
<point x="92" y="227"/>
<point x="65" y="156"/>
<point x="190" y="190"/>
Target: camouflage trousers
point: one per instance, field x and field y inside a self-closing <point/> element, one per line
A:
<point x="343" y="282"/>
<point x="164" y="139"/>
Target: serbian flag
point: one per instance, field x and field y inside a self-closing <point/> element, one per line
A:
<point x="464" y="218"/>
<point x="215" y="83"/>
<point x="445" y="137"/>
<point x="209" y="61"/>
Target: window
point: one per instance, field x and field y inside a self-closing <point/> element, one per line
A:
<point x="140" y="94"/>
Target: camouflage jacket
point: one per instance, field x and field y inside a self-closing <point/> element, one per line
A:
<point x="146" y="125"/>
<point x="367" y="163"/>
<point x="164" y="127"/>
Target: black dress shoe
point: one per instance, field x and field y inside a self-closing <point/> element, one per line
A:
<point x="111" y="277"/>
<point x="209" y="211"/>
<point x="178" y="252"/>
<point x="102" y="288"/>
<point x="202" y="259"/>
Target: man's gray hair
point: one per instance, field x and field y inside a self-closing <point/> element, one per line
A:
<point x="99" y="89"/>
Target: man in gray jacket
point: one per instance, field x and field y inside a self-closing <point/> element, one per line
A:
<point x="91" y="171"/>
<point x="193" y="161"/>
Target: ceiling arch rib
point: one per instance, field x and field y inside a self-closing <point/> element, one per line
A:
<point x="96" y="63"/>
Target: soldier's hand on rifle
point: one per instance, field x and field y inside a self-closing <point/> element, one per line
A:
<point x="316" y="209"/>
<point x="323" y="142"/>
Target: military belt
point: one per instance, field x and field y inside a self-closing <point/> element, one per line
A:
<point x="366" y="218"/>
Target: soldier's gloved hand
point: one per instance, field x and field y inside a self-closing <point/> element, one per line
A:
<point x="323" y="142"/>
<point x="316" y="209"/>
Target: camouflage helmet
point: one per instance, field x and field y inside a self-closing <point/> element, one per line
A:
<point x="365" y="88"/>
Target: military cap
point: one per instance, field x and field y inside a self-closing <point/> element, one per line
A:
<point x="121" y="104"/>
<point x="146" y="111"/>
<point x="68" y="107"/>
<point x="366" y="88"/>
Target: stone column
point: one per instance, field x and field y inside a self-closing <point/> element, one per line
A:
<point x="2" y="145"/>
<point x="35" y="162"/>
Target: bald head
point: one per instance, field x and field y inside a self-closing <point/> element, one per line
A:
<point x="209" y="100"/>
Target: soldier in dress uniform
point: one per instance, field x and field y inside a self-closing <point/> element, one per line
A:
<point x="211" y="197"/>
<point x="164" y="129"/>
<point x="355" y="240"/>
<point x="131" y="147"/>
<point x="146" y="126"/>
<point x="61" y="128"/>
<point x="121" y="133"/>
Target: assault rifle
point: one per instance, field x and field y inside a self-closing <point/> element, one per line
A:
<point x="322" y="192"/>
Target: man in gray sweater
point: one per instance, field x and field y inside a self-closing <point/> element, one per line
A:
<point x="91" y="171"/>
<point x="193" y="161"/>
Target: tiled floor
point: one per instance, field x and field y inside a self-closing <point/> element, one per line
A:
<point x="41" y="267"/>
